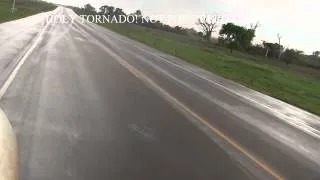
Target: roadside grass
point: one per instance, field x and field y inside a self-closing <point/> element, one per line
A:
<point x="279" y="81"/>
<point x="24" y="9"/>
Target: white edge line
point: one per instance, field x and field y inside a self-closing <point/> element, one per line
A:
<point x="307" y="129"/>
<point x="185" y="109"/>
<point x="8" y="142"/>
<point x="13" y="74"/>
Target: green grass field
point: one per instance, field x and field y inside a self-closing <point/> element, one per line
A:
<point x="23" y="9"/>
<point x="276" y="80"/>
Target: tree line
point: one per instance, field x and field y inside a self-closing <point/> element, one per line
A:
<point x="240" y="38"/>
<point x="113" y="11"/>
<point x="231" y="36"/>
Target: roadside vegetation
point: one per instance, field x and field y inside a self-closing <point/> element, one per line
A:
<point x="286" y="74"/>
<point x="287" y="85"/>
<point x="22" y="9"/>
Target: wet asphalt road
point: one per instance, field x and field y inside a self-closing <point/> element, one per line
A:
<point x="80" y="112"/>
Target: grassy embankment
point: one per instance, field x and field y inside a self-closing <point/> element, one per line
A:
<point x="288" y="83"/>
<point x="23" y="9"/>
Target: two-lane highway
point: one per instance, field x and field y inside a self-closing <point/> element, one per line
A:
<point x="88" y="103"/>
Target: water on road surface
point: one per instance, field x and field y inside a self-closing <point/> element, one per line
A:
<point x="87" y="103"/>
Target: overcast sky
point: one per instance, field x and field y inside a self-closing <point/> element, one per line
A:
<point x="296" y="20"/>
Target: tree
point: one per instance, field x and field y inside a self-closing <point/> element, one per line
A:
<point x="272" y="50"/>
<point x="315" y="56"/>
<point x="106" y="10"/>
<point x="280" y="50"/>
<point x="103" y="9"/>
<point x="138" y="13"/>
<point x="200" y="34"/>
<point x="119" y="11"/>
<point x="257" y="49"/>
<point x="316" y="53"/>
<point x="191" y="32"/>
<point x="110" y="10"/>
<point x="291" y="54"/>
<point x="250" y="34"/>
<point x="267" y="46"/>
<point x="237" y="36"/>
<point x="88" y="9"/>
<point x="228" y="34"/>
<point x="208" y="26"/>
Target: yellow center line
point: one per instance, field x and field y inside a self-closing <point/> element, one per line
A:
<point x="215" y="130"/>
